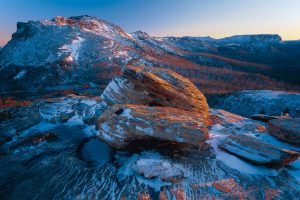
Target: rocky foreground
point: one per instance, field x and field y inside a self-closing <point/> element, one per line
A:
<point x="151" y="135"/>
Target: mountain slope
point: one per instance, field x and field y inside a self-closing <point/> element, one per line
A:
<point x="83" y="53"/>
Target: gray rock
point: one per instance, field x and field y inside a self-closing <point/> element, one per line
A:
<point x="287" y="130"/>
<point x="256" y="151"/>
<point x="157" y="168"/>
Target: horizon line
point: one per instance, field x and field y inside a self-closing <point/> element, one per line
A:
<point x="5" y="42"/>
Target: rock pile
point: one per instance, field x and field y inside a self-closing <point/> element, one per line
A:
<point x="153" y="103"/>
<point x="149" y="103"/>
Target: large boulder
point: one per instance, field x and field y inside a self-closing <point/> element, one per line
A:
<point x="153" y="86"/>
<point x="256" y="151"/>
<point x="121" y="124"/>
<point x="287" y="130"/>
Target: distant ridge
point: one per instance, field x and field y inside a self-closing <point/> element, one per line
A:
<point x="84" y="51"/>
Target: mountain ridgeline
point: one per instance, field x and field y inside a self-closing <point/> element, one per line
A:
<point x="82" y="54"/>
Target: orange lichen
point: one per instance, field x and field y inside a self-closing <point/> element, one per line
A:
<point x="225" y="185"/>
<point x="10" y="102"/>
<point x="162" y="195"/>
<point x="144" y="196"/>
<point x="179" y="194"/>
<point x="271" y="194"/>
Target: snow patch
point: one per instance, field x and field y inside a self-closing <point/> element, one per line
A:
<point x="105" y="127"/>
<point x="20" y="75"/>
<point x="148" y="130"/>
<point x="73" y="49"/>
<point x="238" y="164"/>
<point x="126" y="113"/>
<point x="127" y="162"/>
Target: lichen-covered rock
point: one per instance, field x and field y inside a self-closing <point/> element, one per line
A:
<point x="121" y="124"/>
<point x="218" y="116"/>
<point x="158" y="168"/>
<point x="153" y="86"/>
<point x="287" y="130"/>
<point x="225" y="123"/>
<point x="256" y="151"/>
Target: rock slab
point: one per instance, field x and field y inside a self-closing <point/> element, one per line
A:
<point x="256" y="151"/>
<point x="287" y="130"/>
<point x="120" y="125"/>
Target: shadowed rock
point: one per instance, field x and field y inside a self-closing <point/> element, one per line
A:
<point x="287" y="130"/>
<point x="256" y="151"/>
<point x="263" y="118"/>
<point x="154" y="86"/>
<point x="122" y="124"/>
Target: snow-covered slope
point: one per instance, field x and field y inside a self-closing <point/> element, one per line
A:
<point x="85" y="51"/>
<point x="252" y="102"/>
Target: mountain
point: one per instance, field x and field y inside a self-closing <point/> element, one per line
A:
<point x="83" y="53"/>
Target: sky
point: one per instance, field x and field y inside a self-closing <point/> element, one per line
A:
<point x="215" y="18"/>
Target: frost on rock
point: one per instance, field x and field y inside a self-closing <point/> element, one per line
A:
<point x="256" y="151"/>
<point x="20" y="75"/>
<point x="252" y="102"/>
<point x="115" y="90"/>
<point x="146" y="123"/>
<point x="158" y="168"/>
<point x="287" y="130"/>
<point x="149" y="168"/>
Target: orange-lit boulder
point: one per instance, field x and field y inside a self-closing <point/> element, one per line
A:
<point x="153" y="86"/>
<point x="120" y="125"/>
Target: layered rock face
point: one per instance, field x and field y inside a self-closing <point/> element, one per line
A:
<point x="153" y="103"/>
<point x="154" y="86"/>
<point x="122" y="124"/>
<point x="287" y="130"/>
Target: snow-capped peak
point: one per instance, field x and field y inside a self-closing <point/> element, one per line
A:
<point x="92" y="25"/>
<point x="140" y="35"/>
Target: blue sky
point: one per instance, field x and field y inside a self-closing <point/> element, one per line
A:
<point x="216" y="18"/>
